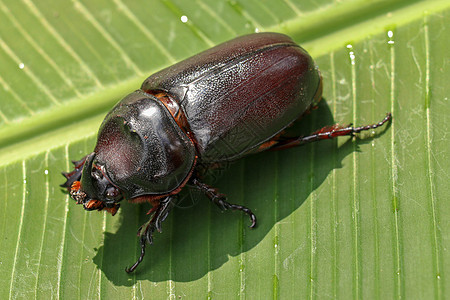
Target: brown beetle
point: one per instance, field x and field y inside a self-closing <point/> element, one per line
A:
<point x="217" y="106"/>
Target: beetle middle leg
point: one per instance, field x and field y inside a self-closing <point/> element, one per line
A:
<point x="145" y="233"/>
<point x="221" y="200"/>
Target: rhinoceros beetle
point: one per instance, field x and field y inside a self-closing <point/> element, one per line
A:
<point x="217" y="106"/>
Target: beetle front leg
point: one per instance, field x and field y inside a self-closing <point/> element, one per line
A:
<point x="145" y="233"/>
<point x="221" y="200"/>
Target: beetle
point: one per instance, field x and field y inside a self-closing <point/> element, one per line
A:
<point x="229" y="101"/>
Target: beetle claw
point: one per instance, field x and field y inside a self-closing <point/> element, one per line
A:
<point x="241" y="208"/>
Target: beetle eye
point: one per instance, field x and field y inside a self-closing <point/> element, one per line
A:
<point x="112" y="193"/>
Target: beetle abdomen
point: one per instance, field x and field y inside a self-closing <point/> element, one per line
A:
<point x="241" y="93"/>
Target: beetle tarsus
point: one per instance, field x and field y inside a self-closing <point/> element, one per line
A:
<point x="373" y="126"/>
<point x="221" y="200"/>
<point x="145" y="232"/>
<point x="141" y="257"/>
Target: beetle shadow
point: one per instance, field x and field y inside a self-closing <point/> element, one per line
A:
<point x="186" y="250"/>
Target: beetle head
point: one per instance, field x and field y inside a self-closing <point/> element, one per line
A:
<point x="140" y="151"/>
<point x="95" y="190"/>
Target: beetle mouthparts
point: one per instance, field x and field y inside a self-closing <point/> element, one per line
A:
<point x="76" y="193"/>
<point x="79" y="196"/>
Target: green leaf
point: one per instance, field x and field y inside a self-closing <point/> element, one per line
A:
<point x="362" y="218"/>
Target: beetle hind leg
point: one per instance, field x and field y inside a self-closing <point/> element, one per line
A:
<point x="325" y="133"/>
<point x="145" y="233"/>
<point x="221" y="200"/>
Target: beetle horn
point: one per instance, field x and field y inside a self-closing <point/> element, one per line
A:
<point x="75" y="175"/>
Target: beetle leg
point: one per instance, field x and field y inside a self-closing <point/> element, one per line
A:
<point x="221" y="200"/>
<point x="145" y="233"/>
<point x="327" y="132"/>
